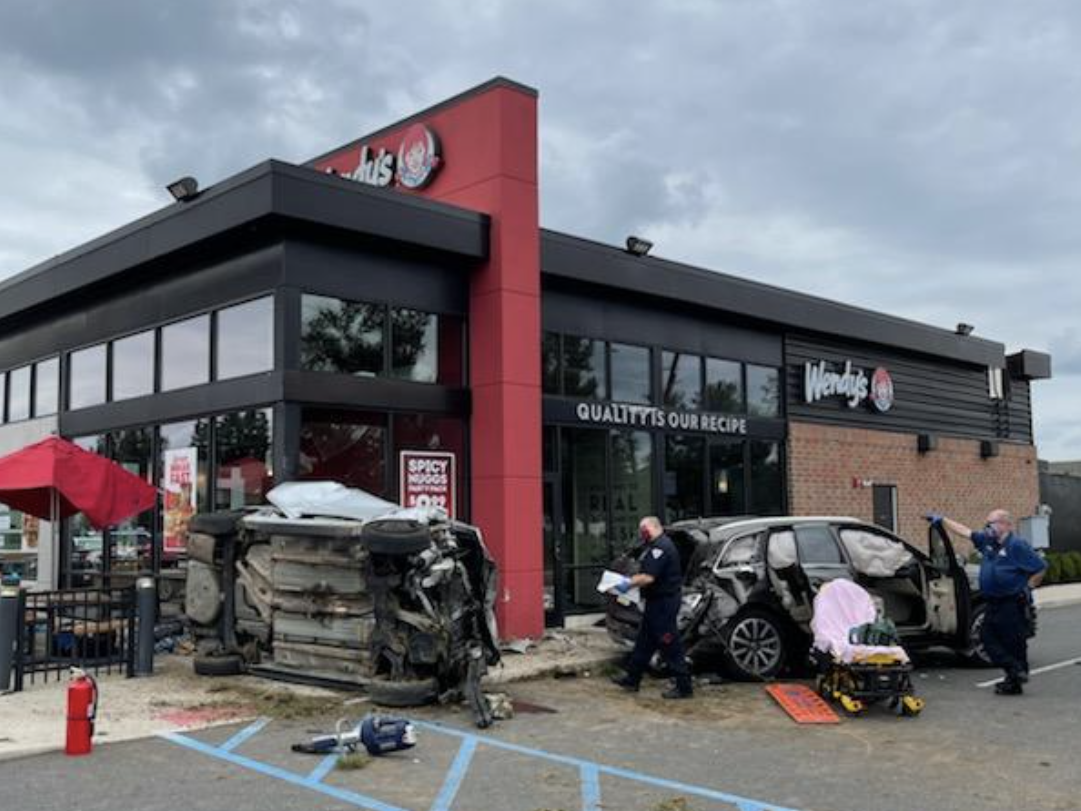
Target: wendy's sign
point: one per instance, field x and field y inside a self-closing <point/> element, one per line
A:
<point x="822" y="381"/>
<point x="413" y="166"/>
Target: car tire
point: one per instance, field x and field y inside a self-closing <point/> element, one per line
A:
<point x="396" y="537"/>
<point x="227" y="665"/>
<point x="411" y="693"/>
<point x="202" y="596"/>
<point x="975" y="655"/>
<point x="755" y="645"/>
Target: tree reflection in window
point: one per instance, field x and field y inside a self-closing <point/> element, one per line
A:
<point x="342" y="336"/>
<point x="414" y="343"/>
<point x="763" y="391"/>
<point x="243" y="442"/>
<point x="583" y="368"/>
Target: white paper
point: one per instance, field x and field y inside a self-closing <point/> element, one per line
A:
<point x="608" y="582"/>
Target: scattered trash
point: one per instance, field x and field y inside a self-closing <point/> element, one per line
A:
<point x="376" y="733"/>
<point x="520" y="646"/>
<point x="529" y="708"/>
<point x="501" y="705"/>
<point x="565" y="672"/>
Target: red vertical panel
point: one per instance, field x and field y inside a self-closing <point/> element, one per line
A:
<point x="489" y="143"/>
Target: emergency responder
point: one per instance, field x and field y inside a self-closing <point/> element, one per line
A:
<point x="661" y="580"/>
<point x="1010" y="569"/>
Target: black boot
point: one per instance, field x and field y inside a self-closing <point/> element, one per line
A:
<point x="627" y="682"/>
<point x="683" y="688"/>
<point x="1010" y="686"/>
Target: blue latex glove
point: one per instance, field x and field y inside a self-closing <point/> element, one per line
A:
<point x="624" y="585"/>
<point x="934" y="519"/>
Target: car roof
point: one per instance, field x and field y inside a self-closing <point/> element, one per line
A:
<point x="731" y="528"/>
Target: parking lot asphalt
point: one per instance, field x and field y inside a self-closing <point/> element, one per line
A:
<point x="579" y="743"/>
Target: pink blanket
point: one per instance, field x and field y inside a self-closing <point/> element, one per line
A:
<point x="840" y="606"/>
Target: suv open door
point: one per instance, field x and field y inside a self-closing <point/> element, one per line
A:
<point x="950" y="598"/>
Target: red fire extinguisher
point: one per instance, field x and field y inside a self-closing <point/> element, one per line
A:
<point x="82" y="709"/>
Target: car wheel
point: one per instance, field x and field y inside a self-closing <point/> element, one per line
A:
<point x="755" y="646"/>
<point x="228" y="665"/>
<point x="202" y="597"/>
<point x="411" y="693"/>
<point x="975" y="655"/>
<point x="396" y="537"/>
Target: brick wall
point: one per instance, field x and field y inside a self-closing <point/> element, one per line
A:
<point x="823" y="460"/>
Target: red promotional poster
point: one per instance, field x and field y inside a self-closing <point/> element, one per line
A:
<point x="427" y="479"/>
<point x="179" y="487"/>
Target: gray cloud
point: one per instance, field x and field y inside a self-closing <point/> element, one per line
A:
<point x="915" y="157"/>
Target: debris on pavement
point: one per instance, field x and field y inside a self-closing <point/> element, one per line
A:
<point x="379" y="735"/>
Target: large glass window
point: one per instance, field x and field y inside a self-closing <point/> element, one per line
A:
<point x="345" y="446"/>
<point x="550" y="363"/>
<point x="132" y="541"/>
<point x="184" y="450"/>
<point x="133" y="366"/>
<point x="684" y="474"/>
<point x="245" y="343"/>
<point x="763" y="391"/>
<point x="414" y="345"/>
<point x="87" y="377"/>
<point x="681" y="379"/>
<point x="632" y="484"/>
<point x="586" y="470"/>
<point x="341" y="336"/>
<point x="46" y="387"/>
<point x="19" y="394"/>
<point x="19" y="541"/>
<point x="767" y="481"/>
<point x="632" y="378"/>
<point x="185" y="353"/>
<point x="724" y="386"/>
<point x="727" y="496"/>
<point x="583" y="367"/>
<point x="244" y="443"/>
<point x="86" y="561"/>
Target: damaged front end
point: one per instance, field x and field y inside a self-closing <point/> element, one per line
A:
<point x="432" y="585"/>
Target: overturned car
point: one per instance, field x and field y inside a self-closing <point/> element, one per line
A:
<point x="333" y="586"/>
<point x="749" y="587"/>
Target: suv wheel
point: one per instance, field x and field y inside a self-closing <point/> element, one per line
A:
<point x="755" y="645"/>
<point x="976" y="655"/>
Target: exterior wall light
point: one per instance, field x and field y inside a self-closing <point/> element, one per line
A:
<point x="638" y="246"/>
<point x="184" y="189"/>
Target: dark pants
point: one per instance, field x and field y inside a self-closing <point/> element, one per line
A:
<point x="658" y="631"/>
<point x="1005" y="635"/>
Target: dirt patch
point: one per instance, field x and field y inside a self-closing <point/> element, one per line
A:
<point x="270" y="700"/>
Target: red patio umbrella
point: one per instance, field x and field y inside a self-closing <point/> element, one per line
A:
<point x="55" y="479"/>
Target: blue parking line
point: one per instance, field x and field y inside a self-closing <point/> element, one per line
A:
<point x="243" y="735"/>
<point x="743" y="803"/>
<point x="324" y="768"/>
<point x="351" y="797"/>
<point x="456" y="774"/>
<point x="591" y="788"/>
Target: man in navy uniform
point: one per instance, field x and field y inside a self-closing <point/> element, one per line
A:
<point x="661" y="580"/>
<point x="1009" y="570"/>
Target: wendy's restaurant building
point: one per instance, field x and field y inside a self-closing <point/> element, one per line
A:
<point x="391" y="315"/>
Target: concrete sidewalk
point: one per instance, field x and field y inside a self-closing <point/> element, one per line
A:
<point x="174" y="699"/>
<point x="1058" y="595"/>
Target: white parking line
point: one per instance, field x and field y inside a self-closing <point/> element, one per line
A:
<point x="1036" y="672"/>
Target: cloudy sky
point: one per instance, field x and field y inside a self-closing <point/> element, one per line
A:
<point x="915" y="156"/>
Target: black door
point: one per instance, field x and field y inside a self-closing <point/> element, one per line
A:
<point x="553" y="552"/>
<point x="885" y="506"/>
